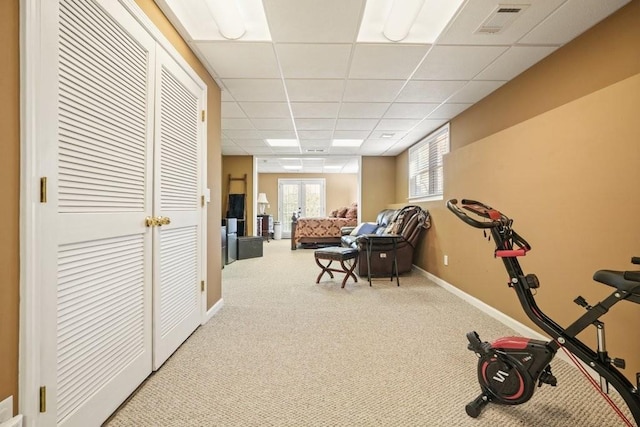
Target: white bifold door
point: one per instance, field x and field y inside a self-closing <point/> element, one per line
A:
<point x="120" y="223"/>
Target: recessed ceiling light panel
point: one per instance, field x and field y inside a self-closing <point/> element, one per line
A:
<point x="282" y="142"/>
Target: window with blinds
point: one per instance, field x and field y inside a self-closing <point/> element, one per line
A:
<point x="425" y="165"/>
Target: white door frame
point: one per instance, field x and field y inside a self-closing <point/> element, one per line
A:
<point x="34" y="124"/>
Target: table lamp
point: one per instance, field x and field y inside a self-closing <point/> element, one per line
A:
<point x="262" y="202"/>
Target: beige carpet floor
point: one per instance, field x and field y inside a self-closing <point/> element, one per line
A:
<point x="284" y="351"/>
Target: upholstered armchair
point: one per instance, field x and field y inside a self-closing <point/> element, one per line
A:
<point x="408" y="223"/>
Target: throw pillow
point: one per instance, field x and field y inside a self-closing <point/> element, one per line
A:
<point x="333" y="214"/>
<point x="364" y="228"/>
<point x="341" y="212"/>
<point x="351" y="213"/>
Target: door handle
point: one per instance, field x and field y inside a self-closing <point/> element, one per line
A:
<point x="152" y="221"/>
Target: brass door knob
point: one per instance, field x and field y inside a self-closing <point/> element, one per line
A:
<point x="164" y="220"/>
<point x="150" y="221"/>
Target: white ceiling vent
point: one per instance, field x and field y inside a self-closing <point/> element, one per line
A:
<point x="500" y="18"/>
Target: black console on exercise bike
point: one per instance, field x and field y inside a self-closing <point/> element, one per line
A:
<point x="511" y="368"/>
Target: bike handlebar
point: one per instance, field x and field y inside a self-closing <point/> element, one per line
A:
<point x="479" y="209"/>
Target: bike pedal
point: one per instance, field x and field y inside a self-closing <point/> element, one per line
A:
<point x="475" y="344"/>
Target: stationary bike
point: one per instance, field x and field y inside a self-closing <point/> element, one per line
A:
<point x="511" y="368"/>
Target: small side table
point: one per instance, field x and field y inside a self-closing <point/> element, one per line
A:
<point x="382" y="239"/>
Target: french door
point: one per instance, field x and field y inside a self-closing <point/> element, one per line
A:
<point x="119" y="215"/>
<point x="304" y="197"/>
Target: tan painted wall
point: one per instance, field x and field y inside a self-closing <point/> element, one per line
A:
<point x="10" y="195"/>
<point x="566" y="171"/>
<point x="214" y="263"/>
<point x="237" y="167"/>
<point x="378" y="185"/>
<point x="341" y="190"/>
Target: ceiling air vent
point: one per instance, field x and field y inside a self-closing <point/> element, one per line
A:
<point x="501" y="18"/>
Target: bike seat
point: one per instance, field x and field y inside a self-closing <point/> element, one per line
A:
<point x="616" y="279"/>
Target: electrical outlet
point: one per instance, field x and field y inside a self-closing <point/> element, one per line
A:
<point x="446" y="260"/>
<point x="6" y="409"/>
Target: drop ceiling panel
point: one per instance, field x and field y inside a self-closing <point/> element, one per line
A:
<point x="273" y="124"/>
<point x="391" y="61"/>
<point x="315" y="134"/>
<point x="333" y="21"/>
<point x="356" y="124"/>
<point x="250" y="142"/>
<point x="278" y="134"/>
<point x="448" y="111"/>
<point x="427" y="91"/>
<point x="319" y="61"/>
<point x="236" y="124"/>
<point x="255" y="89"/>
<point x="266" y="110"/>
<point x="372" y="90"/>
<point x="305" y="90"/>
<point x="474" y="13"/>
<point x="240" y="59"/>
<point x="476" y="90"/>
<point x="364" y="110"/>
<point x="315" y="124"/>
<point x="315" y="109"/>
<point x="457" y="62"/>
<point x="231" y="110"/>
<point x="351" y="134"/>
<point x="396" y="124"/>
<point x="242" y="134"/>
<point x="514" y="61"/>
<point x="400" y="110"/>
<point x="571" y="20"/>
<point x="261" y="150"/>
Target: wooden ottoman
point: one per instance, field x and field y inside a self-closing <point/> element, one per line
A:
<point x="336" y="253"/>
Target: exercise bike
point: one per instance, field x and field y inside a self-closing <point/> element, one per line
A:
<point x="511" y="368"/>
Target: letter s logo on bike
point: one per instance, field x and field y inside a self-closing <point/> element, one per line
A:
<point x="500" y="376"/>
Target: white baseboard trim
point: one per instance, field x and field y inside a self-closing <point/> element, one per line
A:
<point x="212" y="311"/>
<point x="520" y="328"/>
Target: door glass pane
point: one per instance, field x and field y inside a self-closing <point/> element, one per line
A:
<point x="290" y="202"/>
<point x="312" y="205"/>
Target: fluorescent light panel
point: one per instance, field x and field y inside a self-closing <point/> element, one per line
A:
<point x="431" y="19"/>
<point x="282" y="142"/>
<point x="401" y="18"/>
<point x="228" y="18"/>
<point x="292" y="167"/>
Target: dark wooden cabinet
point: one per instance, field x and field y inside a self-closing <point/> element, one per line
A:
<point x="264" y="226"/>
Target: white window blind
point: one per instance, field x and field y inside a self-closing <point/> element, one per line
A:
<point x="425" y="164"/>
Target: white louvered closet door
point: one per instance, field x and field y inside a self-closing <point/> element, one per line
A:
<point x="177" y="189"/>
<point x="101" y="194"/>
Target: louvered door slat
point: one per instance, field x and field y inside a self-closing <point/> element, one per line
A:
<point x="178" y="142"/>
<point x="103" y="95"/>
<point x="179" y="295"/>
<point x="103" y="289"/>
